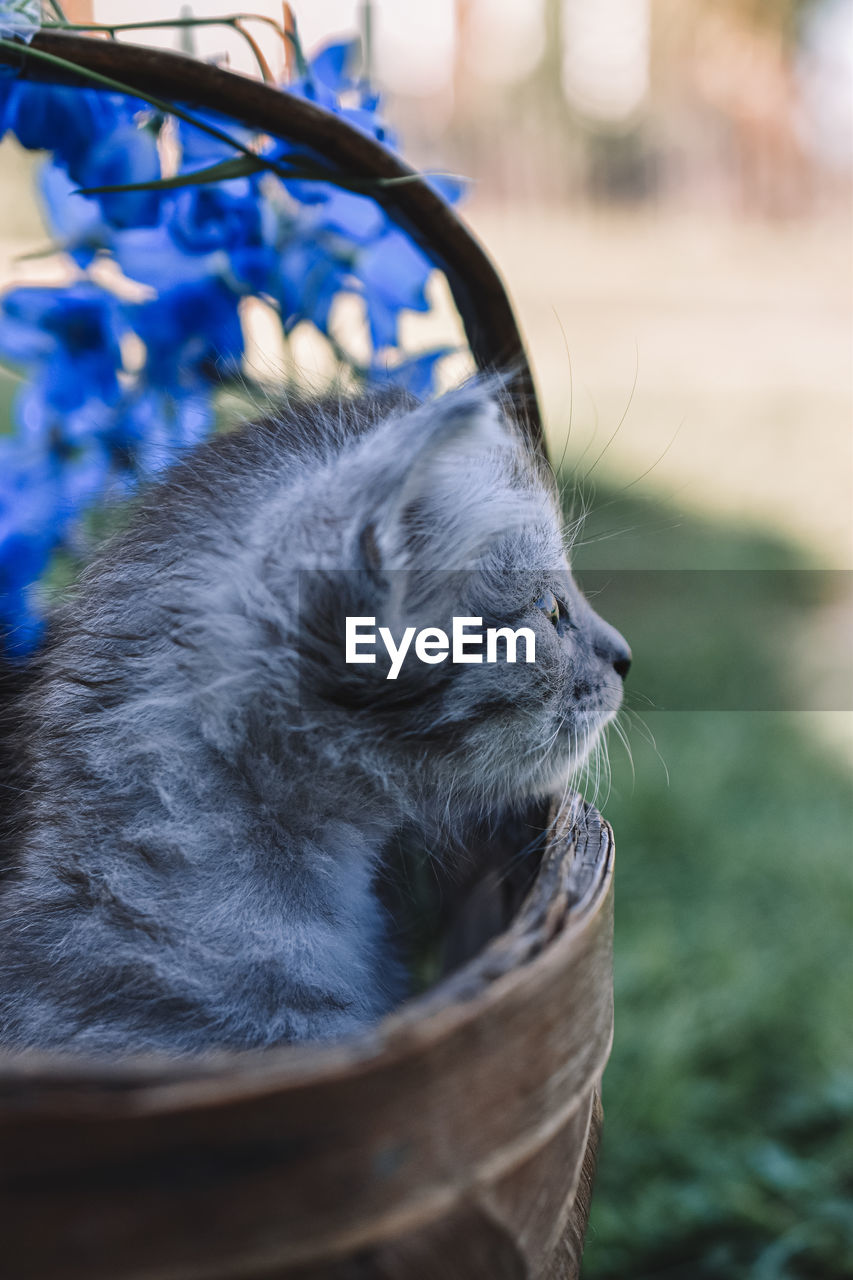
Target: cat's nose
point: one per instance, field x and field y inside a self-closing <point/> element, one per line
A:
<point x="622" y="664"/>
<point x="613" y="648"/>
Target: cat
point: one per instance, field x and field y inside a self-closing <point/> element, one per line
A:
<point x="207" y="788"/>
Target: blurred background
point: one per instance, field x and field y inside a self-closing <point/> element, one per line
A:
<point x="666" y="187"/>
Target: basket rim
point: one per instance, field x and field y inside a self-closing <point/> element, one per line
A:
<point x="478" y="291"/>
<point x="566" y="907"/>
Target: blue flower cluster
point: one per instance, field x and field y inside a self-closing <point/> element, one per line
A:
<point x="114" y="388"/>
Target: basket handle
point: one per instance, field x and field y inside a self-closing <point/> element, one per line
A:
<point x="477" y="289"/>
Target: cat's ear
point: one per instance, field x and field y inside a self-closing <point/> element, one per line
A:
<point x="432" y="471"/>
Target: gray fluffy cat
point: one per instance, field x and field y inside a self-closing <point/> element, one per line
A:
<point x="208" y="789"/>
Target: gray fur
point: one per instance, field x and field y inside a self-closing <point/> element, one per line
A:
<point x="206" y="788"/>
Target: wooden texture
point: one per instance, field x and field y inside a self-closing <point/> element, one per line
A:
<point x="477" y="289"/>
<point x="448" y="1142"/>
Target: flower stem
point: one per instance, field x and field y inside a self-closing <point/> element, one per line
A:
<point x="235" y="21"/>
<point x="266" y="71"/>
<point x="106" y="82"/>
<point x="227" y="20"/>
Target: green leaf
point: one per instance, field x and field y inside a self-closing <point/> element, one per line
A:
<point x="222" y="171"/>
<point x="243" y="166"/>
<point x="291" y="35"/>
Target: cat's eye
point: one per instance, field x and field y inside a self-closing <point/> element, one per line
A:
<point x="550" y="605"/>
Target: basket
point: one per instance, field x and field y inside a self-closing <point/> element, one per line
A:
<point x="456" y="1139"/>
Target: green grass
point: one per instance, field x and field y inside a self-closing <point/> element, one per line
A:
<point x="728" y="1147"/>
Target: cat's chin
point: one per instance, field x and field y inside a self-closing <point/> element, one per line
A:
<point x="555" y="782"/>
<point x="562" y="769"/>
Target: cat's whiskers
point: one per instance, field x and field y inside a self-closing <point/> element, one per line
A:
<point x="622" y="735"/>
<point x="543" y="749"/>
<point x="646" y="733"/>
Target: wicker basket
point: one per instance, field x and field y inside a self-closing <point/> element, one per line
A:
<point x="455" y="1140"/>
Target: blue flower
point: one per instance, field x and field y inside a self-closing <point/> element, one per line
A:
<point x="72" y="338"/>
<point x="331" y="66"/>
<point x="27" y="506"/>
<point x="76" y="221"/>
<point x="448" y="186"/>
<point x="22" y="339"/>
<point x="254" y="269"/>
<point x="41" y="491"/>
<point x="219" y="215"/>
<point x="308" y="282"/>
<point x="7" y="89"/>
<point x="393" y="274"/>
<point x="154" y="427"/>
<point x="355" y="217"/>
<point x="85" y="224"/>
<point x="67" y="122"/>
<point x="151" y="256"/>
<point x="329" y="80"/>
<point x="21" y="625"/>
<point x="192" y="335"/>
<point x="128" y="155"/>
<point x="327" y="75"/>
<point x="226" y="230"/>
<point x="200" y="149"/>
<point x="415" y="375"/>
